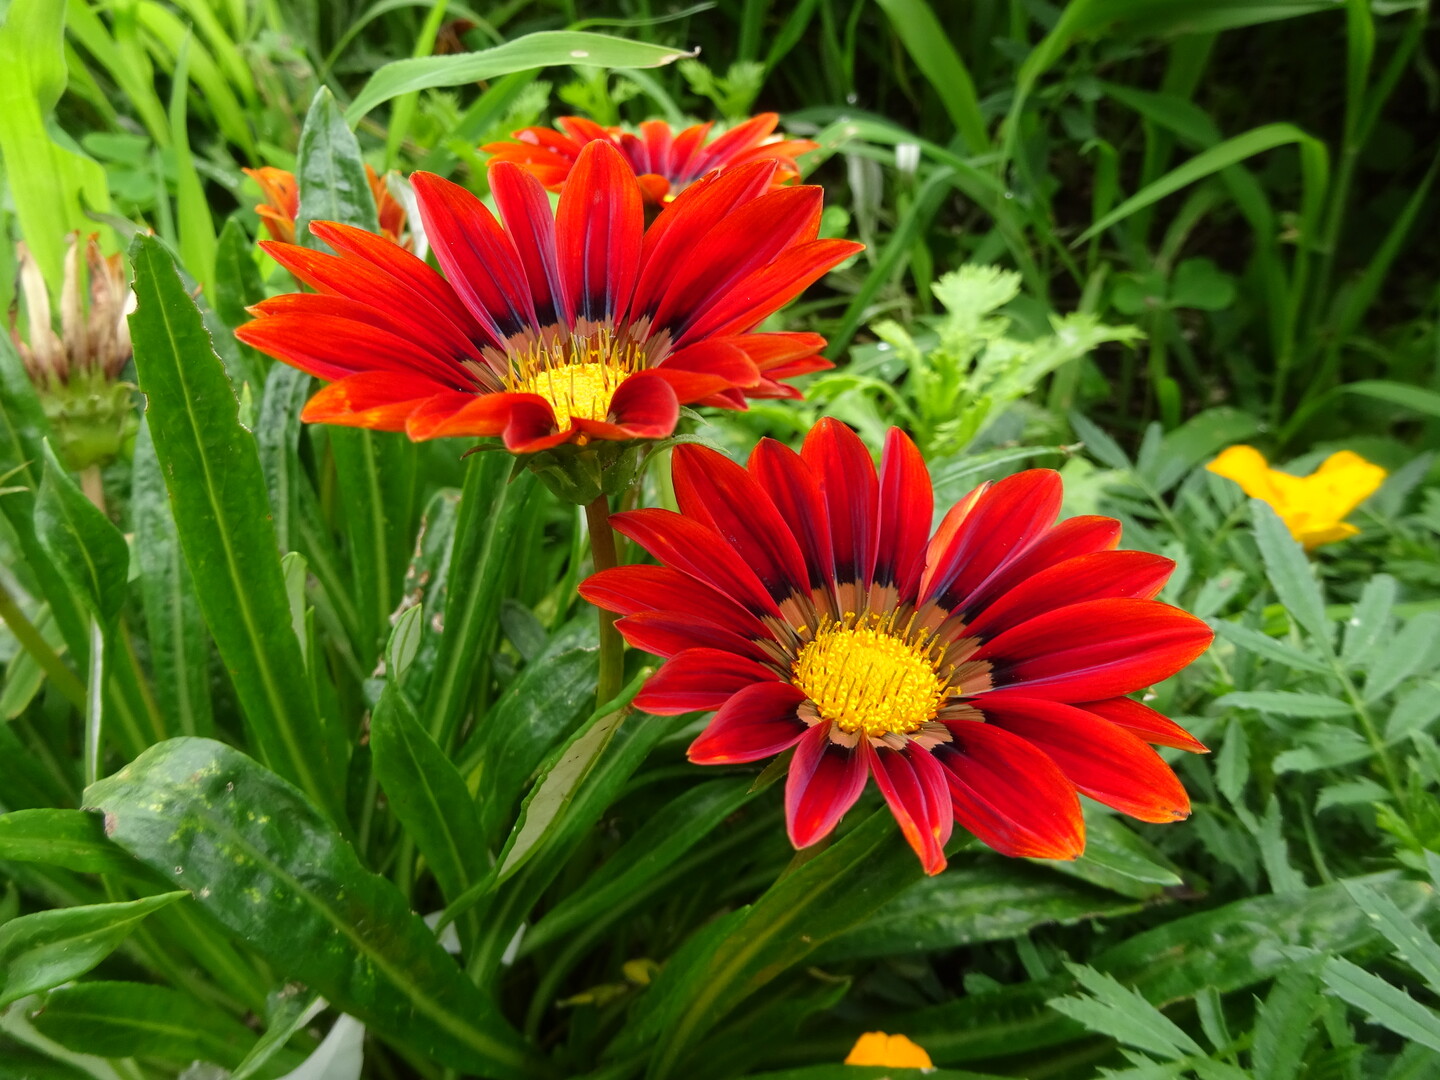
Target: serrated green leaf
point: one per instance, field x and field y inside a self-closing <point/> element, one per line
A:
<point x="126" y="1019"/>
<point x="1403" y="655"/>
<point x="1286" y="703"/>
<point x="1264" y="645"/>
<point x="1369" y="620"/>
<point x="1120" y="1013"/>
<point x="1416" y="710"/>
<point x="1282" y="1024"/>
<point x="1387" y="1005"/>
<point x="1290" y="573"/>
<point x="51" y="947"/>
<point x="263" y="861"/>
<point x="1350" y="793"/>
<point x="1100" y="445"/>
<point x="1413" y="944"/>
<point x="1232" y="764"/>
<point x="217" y="490"/>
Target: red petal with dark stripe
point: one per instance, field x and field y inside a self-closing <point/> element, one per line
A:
<point x="1071" y="537"/>
<point x="758" y="722"/>
<point x="1094" y="650"/>
<point x="1010" y="795"/>
<point x="628" y="589"/>
<point x="694" y="549"/>
<point x="710" y="486"/>
<point x="1145" y="723"/>
<point x="824" y="781"/>
<point x="842" y="466"/>
<point x="999" y="526"/>
<point x="1133" y="574"/>
<point x="916" y="790"/>
<point x="666" y="633"/>
<point x="598" y="228"/>
<point x="332" y="347"/>
<point x="907" y="504"/>
<point x="645" y="407"/>
<point x="1103" y="761"/>
<point x="525" y="209"/>
<point x="681" y="225"/>
<point x="477" y="256"/>
<point x="477" y="415"/>
<point x="792" y="487"/>
<point x="697" y="680"/>
<point x="706" y="368"/>
<point x="737" y="140"/>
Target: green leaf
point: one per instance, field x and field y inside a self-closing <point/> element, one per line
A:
<point x="1282" y="1024"/>
<point x="1369" y="620"/>
<point x="929" y="46"/>
<point x="1264" y="645"/>
<point x="330" y="173"/>
<point x="263" y="861"/>
<point x="277" y="437"/>
<point x="1286" y="703"/>
<point x="1117" y="859"/>
<point x="237" y="277"/>
<point x="287" y="1014"/>
<point x="1412" y="944"/>
<point x="1290" y="573"/>
<point x="1406" y="395"/>
<point x="1387" y="1005"/>
<point x="1101" y="446"/>
<point x="427" y="795"/>
<point x="51" y="947"/>
<point x="175" y="629"/>
<point x="1403" y="655"/>
<point x="404" y="643"/>
<point x="71" y="839"/>
<point x="87" y="548"/>
<point x="1416" y="710"/>
<point x="821" y="899"/>
<point x="125" y="1019"/>
<point x="989" y="901"/>
<point x="545" y="49"/>
<point x="1119" y="1012"/>
<point x="222" y="517"/>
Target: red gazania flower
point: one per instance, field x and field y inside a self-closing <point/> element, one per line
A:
<point x="555" y="327"/>
<point x="978" y="674"/>
<point x="282" y="204"/>
<point x="665" y="161"/>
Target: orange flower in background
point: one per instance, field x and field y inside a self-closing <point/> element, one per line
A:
<point x="893" y="1051"/>
<point x="665" y="161"/>
<point x="561" y="326"/>
<point x="979" y="675"/>
<point x="1313" y="507"/>
<point x="282" y="204"/>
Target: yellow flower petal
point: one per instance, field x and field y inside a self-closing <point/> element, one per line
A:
<point x="893" y="1051"/>
<point x="1313" y="507"/>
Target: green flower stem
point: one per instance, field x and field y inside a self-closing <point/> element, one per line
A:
<point x="612" y="648"/>
<point x="65" y="680"/>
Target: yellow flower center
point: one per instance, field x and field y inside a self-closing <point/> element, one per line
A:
<point x="578" y="375"/>
<point x="864" y="676"/>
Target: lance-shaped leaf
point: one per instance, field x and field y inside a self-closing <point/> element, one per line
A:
<point x="71" y="839"/>
<point x="222" y="516"/>
<point x="84" y="544"/>
<point x="263" y="861"/>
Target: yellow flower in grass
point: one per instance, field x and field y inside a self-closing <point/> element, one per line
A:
<point x="1313" y="507"/>
<point x="892" y="1051"/>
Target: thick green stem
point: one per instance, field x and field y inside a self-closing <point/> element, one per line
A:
<point x="612" y="649"/>
<point x="40" y="651"/>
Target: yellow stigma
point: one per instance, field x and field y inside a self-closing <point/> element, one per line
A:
<point x="864" y="676"/>
<point x="578" y="375"/>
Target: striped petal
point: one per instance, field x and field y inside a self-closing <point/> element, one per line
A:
<point x="1145" y="723"/>
<point x="1087" y="577"/>
<point x="598" y="229"/>
<point x="824" y="781"/>
<point x="758" y="722"/>
<point x="697" y="680"/>
<point x="915" y="787"/>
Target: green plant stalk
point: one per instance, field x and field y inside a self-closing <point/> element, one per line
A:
<point x="612" y="648"/>
<point x="1372" y="733"/>
<point x="65" y="680"/>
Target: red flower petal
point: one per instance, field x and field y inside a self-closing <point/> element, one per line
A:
<point x="681" y="225"/>
<point x="694" y="549"/>
<point x="525" y="209"/>
<point x="736" y="141"/>
<point x="332" y="346"/>
<point x="628" y="589"/>
<point x="1135" y="574"/>
<point x="479" y="260"/>
<point x="1102" y="760"/>
<point x="1010" y="795"/>
<point x="915" y="787"/>
<point x="824" y="781"/>
<point x="645" y="407"/>
<point x="665" y="633"/>
<point x="598" y="228"/>
<point x="792" y="487"/>
<point x="770" y="288"/>
<point x="706" y="368"/>
<point x="907" y="504"/>
<point x="1071" y="537"/>
<point x="1094" y="650"/>
<point x="999" y="526"/>
<point x="465" y="414"/>
<point x="846" y="475"/>
<point x="710" y="487"/>
<point x="379" y="400"/>
<point x="758" y="722"/>
<point x="1144" y="722"/>
<point x="699" y="679"/>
